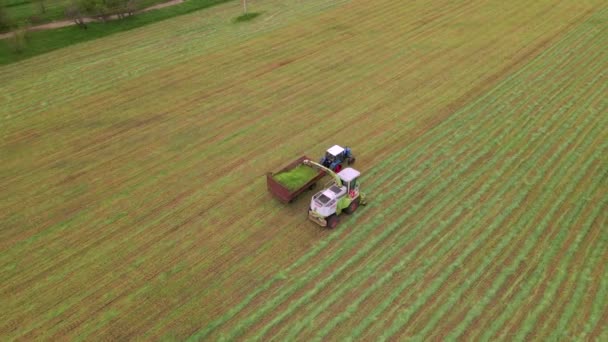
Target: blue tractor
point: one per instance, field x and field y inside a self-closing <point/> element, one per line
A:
<point x="336" y="156"/>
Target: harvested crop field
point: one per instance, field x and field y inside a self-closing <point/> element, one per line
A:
<point x="133" y="201"/>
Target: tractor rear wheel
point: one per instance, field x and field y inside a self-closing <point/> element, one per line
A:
<point x="352" y="207"/>
<point x="332" y="221"/>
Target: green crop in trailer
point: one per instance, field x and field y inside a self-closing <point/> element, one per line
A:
<point x="295" y="178"/>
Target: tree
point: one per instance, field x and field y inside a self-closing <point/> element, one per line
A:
<point x="131" y="7"/>
<point x="100" y="9"/>
<point x="75" y="12"/>
<point x="18" y="40"/>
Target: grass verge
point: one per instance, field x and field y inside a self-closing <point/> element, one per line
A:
<point x="41" y="42"/>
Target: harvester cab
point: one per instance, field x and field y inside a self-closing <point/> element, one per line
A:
<point x="336" y="156"/>
<point x="342" y="196"/>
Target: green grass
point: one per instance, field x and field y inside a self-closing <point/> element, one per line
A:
<point x="20" y="11"/>
<point x="45" y="41"/>
<point x="297" y="177"/>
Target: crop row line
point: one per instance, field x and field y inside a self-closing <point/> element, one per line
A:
<point x="527" y="279"/>
<point x="532" y="317"/>
<point x="546" y="165"/>
<point x="378" y="260"/>
<point x="302" y="262"/>
<point x="555" y="116"/>
<point x="581" y="287"/>
<point x="404" y="316"/>
<point x="263" y="330"/>
<point x="470" y="280"/>
<point x="525" y="249"/>
<point x="326" y="240"/>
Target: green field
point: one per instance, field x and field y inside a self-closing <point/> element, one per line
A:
<point x="23" y="10"/>
<point x="39" y="42"/>
<point x="133" y="199"/>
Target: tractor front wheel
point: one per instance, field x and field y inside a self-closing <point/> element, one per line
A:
<point x="351" y="160"/>
<point x="352" y="207"/>
<point x="332" y="221"/>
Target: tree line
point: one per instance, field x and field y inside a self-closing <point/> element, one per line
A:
<point x="75" y="10"/>
<point x="78" y="11"/>
<point x="100" y="9"/>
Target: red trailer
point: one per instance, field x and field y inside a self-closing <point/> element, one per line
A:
<point x="283" y="193"/>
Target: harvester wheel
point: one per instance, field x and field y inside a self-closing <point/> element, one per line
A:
<point x="353" y="206"/>
<point x="312" y="186"/>
<point x="332" y="221"/>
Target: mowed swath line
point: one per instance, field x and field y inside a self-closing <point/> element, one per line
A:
<point x="403" y="261"/>
<point x="352" y="278"/>
<point x="456" y="282"/>
<point x="556" y="272"/>
<point x="339" y="289"/>
<point x="526" y="326"/>
<point x="581" y="284"/>
<point x="594" y="326"/>
<point x="472" y="311"/>
<point x="497" y="265"/>
<point x="372" y="267"/>
<point x="529" y="282"/>
<point x="513" y="282"/>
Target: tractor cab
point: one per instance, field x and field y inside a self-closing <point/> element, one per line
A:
<point x="333" y="154"/>
<point x="336" y="156"/>
<point x="349" y="178"/>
